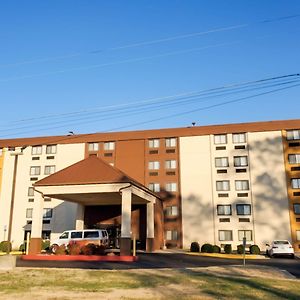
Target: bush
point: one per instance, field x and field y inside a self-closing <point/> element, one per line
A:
<point x="5" y="246"/>
<point x="74" y="248"/>
<point x="60" y="250"/>
<point x="228" y="249"/>
<point x="254" y="249"/>
<point x="89" y="249"/>
<point x="216" y="249"/>
<point x="195" y="247"/>
<point x="22" y="247"/>
<point x="207" y="248"/>
<point x="100" y="250"/>
<point x="240" y="249"/>
<point x="45" y="245"/>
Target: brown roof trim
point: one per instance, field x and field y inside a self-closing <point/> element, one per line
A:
<point x="154" y="133"/>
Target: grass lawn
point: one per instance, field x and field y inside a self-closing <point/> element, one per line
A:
<point x="140" y="284"/>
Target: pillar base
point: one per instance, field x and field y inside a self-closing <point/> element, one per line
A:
<point x="35" y="246"/>
<point x="125" y="246"/>
<point x="150" y="245"/>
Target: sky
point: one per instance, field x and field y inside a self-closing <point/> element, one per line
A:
<point x="98" y="66"/>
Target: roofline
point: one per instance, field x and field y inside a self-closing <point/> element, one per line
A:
<point x="154" y="133"/>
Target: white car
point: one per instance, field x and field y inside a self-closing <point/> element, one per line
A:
<point x="280" y="247"/>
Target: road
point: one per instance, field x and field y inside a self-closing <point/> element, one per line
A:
<point x="168" y="260"/>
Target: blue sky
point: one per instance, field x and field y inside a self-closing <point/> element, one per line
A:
<point x="58" y="57"/>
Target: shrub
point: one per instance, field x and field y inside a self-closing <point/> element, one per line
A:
<point x="254" y="249"/>
<point x="89" y="249"/>
<point x="22" y="247"/>
<point x="195" y="247"/>
<point x="45" y="245"/>
<point x="60" y="250"/>
<point x="240" y="249"/>
<point x="207" y="248"/>
<point x="228" y="249"/>
<point x="216" y="249"/>
<point x="74" y="248"/>
<point x="5" y="246"/>
<point x="100" y="250"/>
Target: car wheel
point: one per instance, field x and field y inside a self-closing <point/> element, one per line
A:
<point x="267" y="253"/>
<point x="293" y="256"/>
<point x="54" y="247"/>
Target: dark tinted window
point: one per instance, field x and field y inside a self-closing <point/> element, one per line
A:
<point x="91" y="234"/>
<point x="76" y="235"/>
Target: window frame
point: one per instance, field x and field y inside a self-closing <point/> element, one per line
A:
<point x="245" y="235"/>
<point x="153" y="143"/>
<point x="50" y="167"/>
<point x="225" y="239"/>
<point x="171" y="142"/>
<point x="223" y="181"/>
<point x="171" y="164"/>
<point x="154" y="165"/>
<point x="242" y="184"/>
<point x="222" y="206"/>
<point x="239" y="134"/>
<point x="295" y="210"/>
<point x="33" y="148"/>
<point x="220" y="142"/>
<point x="47" y="213"/>
<point x="93" y="146"/>
<point x="170" y="187"/>
<point x="297" y="180"/>
<point x="293" y="136"/>
<point x="244" y="205"/>
<point x="49" y="149"/>
<point x="174" y="233"/>
<point x="109" y="146"/>
<point x="154" y="187"/>
<point x="171" y="211"/>
<point x="240" y="158"/>
<point x="221" y="159"/>
<point x="29" y="213"/>
<point x="35" y="168"/>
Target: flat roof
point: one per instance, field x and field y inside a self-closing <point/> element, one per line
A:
<point x="153" y="133"/>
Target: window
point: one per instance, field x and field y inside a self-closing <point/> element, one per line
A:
<point x="171" y="211"/>
<point x="51" y="149"/>
<point x="171" y="235"/>
<point x="49" y="170"/>
<point x="238" y="138"/>
<point x="93" y="146"/>
<point x="47" y="213"/>
<point x="36" y="150"/>
<point x="76" y="235"/>
<point x="35" y="170"/>
<point x="240" y="161"/>
<point x="170" y="142"/>
<point x="109" y="146"/>
<point x="29" y="213"/>
<point x="221" y="162"/>
<point x="296" y="183"/>
<point x="220" y="139"/>
<point x="294" y="158"/>
<point x="171" y="187"/>
<point x="297" y="208"/>
<point x="30" y="191"/>
<point x="153" y="165"/>
<point x="241" y="185"/>
<point x="64" y="235"/>
<point x="245" y="233"/>
<point x="223" y="210"/>
<point x="293" y="135"/>
<point x="154" y="187"/>
<point x="298" y="235"/>
<point x="225" y="235"/>
<point x="170" y="164"/>
<point x="243" y="209"/>
<point x="223" y="185"/>
<point x="91" y="234"/>
<point x="153" y="143"/>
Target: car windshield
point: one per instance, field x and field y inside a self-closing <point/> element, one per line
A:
<point x="281" y="242"/>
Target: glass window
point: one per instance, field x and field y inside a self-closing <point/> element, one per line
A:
<point x="76" y="235"/>
<point x="51" y="149"/>
<point x="154" y="143"/>
<point x="223" y="185"/>
<point x="298" y="235"/>
<point x="171" y="164"/>
<point x="109" y="146"/>
<point x="223" y="210"/>
<point x="170" y="142"/>
<point x="64" y="235"/>
<point x="153" y="165"/>
<point x="171" y="235"/>
<point x="220" y="139"/>
<point x="35" y="170"/>
<point x="154" y="187"/>
<point x="171" y="187"/>
<point x="36" y="150"/>
<point x="225" y="235"/>
<point x="245" y="233"/>
<point x="293" y="134"/>
<point x="30" y="191"/>
<point x="294" y="158"/>
<point x="49" y="170"/>
<point x="29" y="213"/>
<point x="238" y="138"/>
<point x="240" y="161"/>
<point x="47" y="213"/>
<point x="296" y="183"/>
<point x="243" y="209"/>
<point x="297" y="208"/>
<point x="90" y="234"/>
<point x="93" y="146"/>
<point x="221" y="162"/>
<point x="242" y="185"/>
<point x="172" y="210"/>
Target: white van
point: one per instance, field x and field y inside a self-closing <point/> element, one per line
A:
<point x="87" y="236"/>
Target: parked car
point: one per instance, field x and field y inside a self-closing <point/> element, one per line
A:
<point x="82" y="237"/>
<point x="280" y="247"/>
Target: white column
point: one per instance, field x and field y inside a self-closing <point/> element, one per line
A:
<point x="126" y="213"/>
<point x="150" y="220"/>
<point x="37" y="216"/>
<point x="80" y="217"/>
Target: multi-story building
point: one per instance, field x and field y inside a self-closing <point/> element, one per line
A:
<point x="214" y="184"/>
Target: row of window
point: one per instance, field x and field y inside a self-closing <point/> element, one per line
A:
<point x="169" y="164"/>
<point x="226" y="235"/>
<point x="237" y="138"/>
<point x="240" y="185"/>
<point x="239" y="161"/>
<point x="38" y="150"/>
<point x="241" y="210"/>
<point x="47" y="213"/>
<point x="108" y="146"/>
<point x="293" y="134"/>
<point x="36" y="170"/>
<point x="169" y="187"/>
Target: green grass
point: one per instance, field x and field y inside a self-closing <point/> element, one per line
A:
<point x="189" y="283"/>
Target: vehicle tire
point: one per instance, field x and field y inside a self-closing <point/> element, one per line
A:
<point x="292" y="256"/>
<point x="267" y="253"/>
<point x="53" y="248"/>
